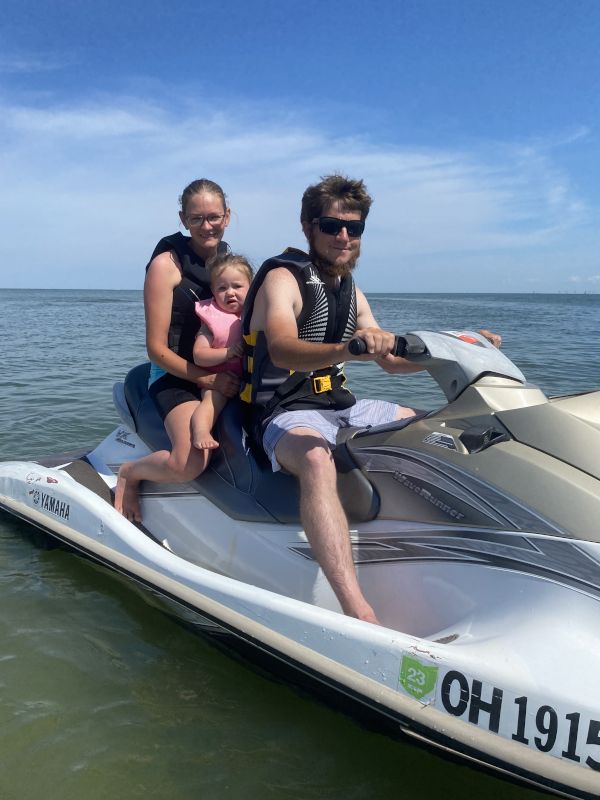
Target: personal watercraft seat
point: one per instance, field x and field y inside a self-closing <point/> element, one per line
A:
<point x="238" y="480"/>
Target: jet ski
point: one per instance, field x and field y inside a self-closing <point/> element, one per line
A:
<point x="476" y="537"/>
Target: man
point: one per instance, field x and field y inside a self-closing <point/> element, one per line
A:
<point x="301" y="312"/>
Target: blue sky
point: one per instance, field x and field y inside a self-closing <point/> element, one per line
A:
<point x="475" y="125"/>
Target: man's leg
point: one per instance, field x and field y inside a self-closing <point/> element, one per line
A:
<point x="305" y="453"/>
<point x="367" y="412"/>
<point x="403" y="413"/>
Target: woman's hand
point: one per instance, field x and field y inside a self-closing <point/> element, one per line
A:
<point x="235" y="351"/>
<point x="226" y="383"/>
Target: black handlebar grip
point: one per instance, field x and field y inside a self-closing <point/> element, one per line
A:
<point x="400" y="347"/>
<point x="358" y="346"/>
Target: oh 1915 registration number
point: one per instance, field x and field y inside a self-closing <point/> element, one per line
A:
<point x="547" y="727"/>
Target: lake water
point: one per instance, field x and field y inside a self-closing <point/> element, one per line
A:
<point x="101" y="695"/>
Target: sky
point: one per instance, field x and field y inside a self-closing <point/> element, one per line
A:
<point x="475" y="125"/>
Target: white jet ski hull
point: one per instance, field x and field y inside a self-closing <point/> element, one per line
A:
<point x="501" y="668"/>
<point x="475" y="537"/>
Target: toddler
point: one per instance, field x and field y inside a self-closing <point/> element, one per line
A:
<point x="218" y="346"/>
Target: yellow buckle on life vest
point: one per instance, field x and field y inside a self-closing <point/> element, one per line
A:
<point x="321" y="383"/>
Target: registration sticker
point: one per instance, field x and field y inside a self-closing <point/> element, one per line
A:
<point x="418" y="678"/>
<point x="539" y="723"/>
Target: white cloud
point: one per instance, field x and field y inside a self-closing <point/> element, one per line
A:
<point x="85" y="123"/>
<point x="91" y="187"/>
<point x="26" y="63"/>
<point x="584" y="279"/>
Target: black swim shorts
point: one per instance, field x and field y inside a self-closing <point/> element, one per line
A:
<point x="168" y="392"/>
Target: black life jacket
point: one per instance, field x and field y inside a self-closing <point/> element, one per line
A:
<point x="327" y="316"/>
<point x="195" y="285"/>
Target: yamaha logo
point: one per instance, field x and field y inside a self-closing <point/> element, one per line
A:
<point x="52" y="504"/>
<point x="57" y="507"/>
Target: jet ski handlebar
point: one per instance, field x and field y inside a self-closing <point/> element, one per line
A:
<point x="454" y="359"/>
<point x="408" y="345"/>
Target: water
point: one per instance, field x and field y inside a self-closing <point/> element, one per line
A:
<point x="101" y="694"/>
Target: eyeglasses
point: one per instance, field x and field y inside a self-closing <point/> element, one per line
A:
<point x="197" y="221"/>
<point x="332" y="226"/>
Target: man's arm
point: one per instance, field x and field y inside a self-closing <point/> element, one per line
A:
<point x="278" y="305"/>
<point x="369" y="330"/>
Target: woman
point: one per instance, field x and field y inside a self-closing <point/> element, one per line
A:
<point x="176" y="278"/>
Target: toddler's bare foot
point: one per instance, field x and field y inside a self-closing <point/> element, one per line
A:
<point x="204" y="441"/>
<point x="127" y="501"/>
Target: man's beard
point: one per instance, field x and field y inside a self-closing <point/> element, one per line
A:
<point x="327" y="267"/>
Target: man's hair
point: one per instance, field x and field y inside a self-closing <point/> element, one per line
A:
<point x="350" y="195"/>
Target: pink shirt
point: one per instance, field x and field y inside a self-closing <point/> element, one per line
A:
<point x="226" y="330"/>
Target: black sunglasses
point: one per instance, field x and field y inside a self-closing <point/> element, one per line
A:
<point x="332" y="226"/>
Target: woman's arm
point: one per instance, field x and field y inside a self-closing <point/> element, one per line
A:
<point x="162" y="277"/>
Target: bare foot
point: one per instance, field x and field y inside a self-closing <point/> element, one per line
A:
<point x="204" y="441"/>
<point x="127" y="501"/>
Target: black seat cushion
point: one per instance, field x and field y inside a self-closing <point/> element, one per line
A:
<point x="238" y="480"/>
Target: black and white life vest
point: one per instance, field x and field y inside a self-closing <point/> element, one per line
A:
<point x="327" y="316"/>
